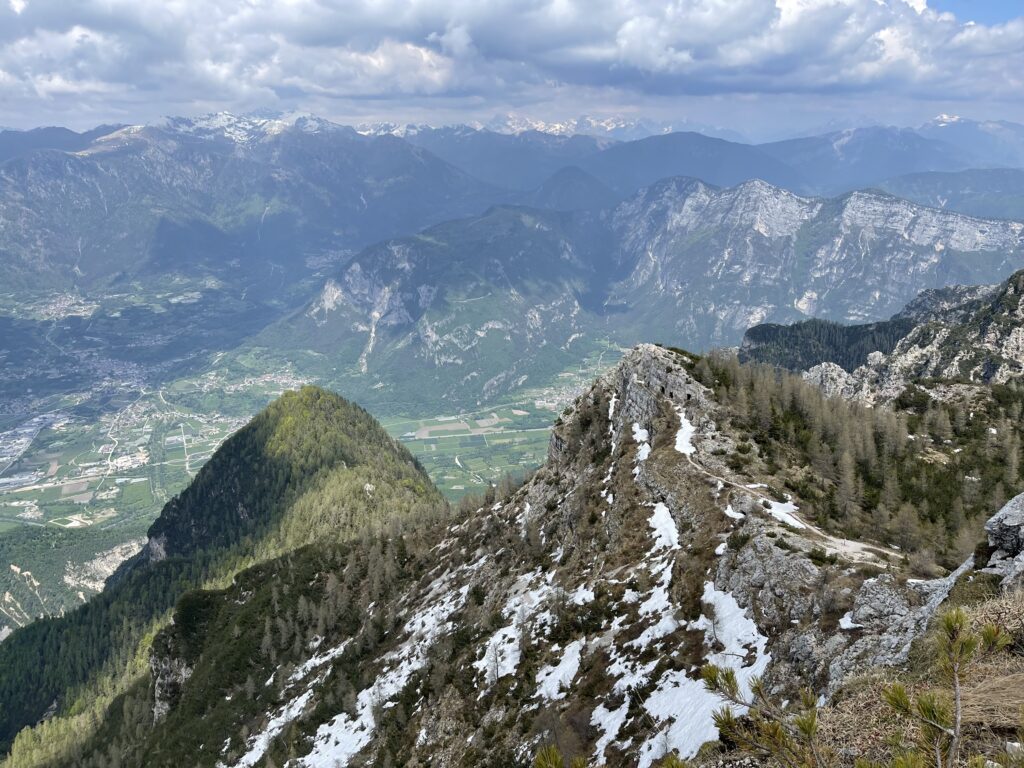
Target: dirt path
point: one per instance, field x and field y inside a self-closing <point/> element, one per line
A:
<point x="851" y="550"/>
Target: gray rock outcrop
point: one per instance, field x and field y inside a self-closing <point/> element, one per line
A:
<point x="169" y="677"/>
<point x="1005" y="531"/>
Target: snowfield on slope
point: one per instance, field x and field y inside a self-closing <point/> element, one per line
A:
<point x="337" y="741"/>
<point x="684" y="437"/>
<point x="683" y="703"/>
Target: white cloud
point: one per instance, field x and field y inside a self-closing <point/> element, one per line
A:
<point x="132" y="57"/>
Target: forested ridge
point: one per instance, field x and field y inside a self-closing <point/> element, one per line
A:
<point x="800" y="346"/>
<point x="310" y="465"/>
<point x="960" y="333"/>
<point x="246" y="641"/>
<point x="923" y="474"/>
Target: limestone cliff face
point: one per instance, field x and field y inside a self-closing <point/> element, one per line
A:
<point x="715" y="262"/>
<point x="972" y="334"/>
<point x="169" y="677"/>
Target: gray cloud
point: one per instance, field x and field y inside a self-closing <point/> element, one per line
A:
<point x="93" y="60"/>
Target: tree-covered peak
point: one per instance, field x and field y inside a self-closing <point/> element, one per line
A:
<point x="310" y="467"/>
<point x="295" y="445"/>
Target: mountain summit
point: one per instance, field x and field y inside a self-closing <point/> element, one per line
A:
<point x="309" y="466"/>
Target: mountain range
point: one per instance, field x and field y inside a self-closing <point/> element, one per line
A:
<point x="246" y="198"/>
<point x="994" y="143"/>
<point x="299" y="236"/>
<point x="680" y="259"/>
<point x="432" y="272"/>
<point x="612" y="127"/>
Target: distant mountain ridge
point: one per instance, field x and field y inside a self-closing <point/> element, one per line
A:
<point x="992" y="143"/>
<point x="860" y="157"/>
<point x="615" y="127"/>
<point x="257" y="183"/>
<point x="990" y="193"/>
<point x="479" y="306"/>
<point x="15" y="143"/>
<point x="970" y="334"/>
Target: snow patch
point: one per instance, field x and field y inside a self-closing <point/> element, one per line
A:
<point x="847" y="621"/>
<point x="345" y="735"/>
<point x="302" y="671"/>
<point x="684" y="703"/>
<point x="641" y="436"/>
<point x="659" y="603"/>
<point x="261" y="742"/>
<point x="610" y="721"/>
<point x="664" y="526"/>
<point x="684" y="437"/>
<point x="783" y="511"/>
<point x="611" y="416"/>
<point x="552" y="680"/>
<point x="732" y="513"/>
<point x="582" y="595"/>
<point x="502" y="653"/>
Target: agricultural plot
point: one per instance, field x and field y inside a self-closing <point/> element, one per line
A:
<point x="85" y="485"/>
<point x="469" y="463"/>
<point x="465" y="453"/>
<point x="95" y="472"/>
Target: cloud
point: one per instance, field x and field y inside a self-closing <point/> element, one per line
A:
<point x="134" y="60"/>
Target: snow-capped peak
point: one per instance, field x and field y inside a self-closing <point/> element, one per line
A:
<point x="391" y="129"/>
<point x="244" y="129"/>
<point x="611" y="127"/>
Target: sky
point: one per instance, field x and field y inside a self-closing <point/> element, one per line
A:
<point x="766" y="68"/>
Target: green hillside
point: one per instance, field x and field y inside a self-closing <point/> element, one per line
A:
<point x="310" y="467"/>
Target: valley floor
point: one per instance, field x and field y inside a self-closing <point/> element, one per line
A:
<point x="84" y="473"/>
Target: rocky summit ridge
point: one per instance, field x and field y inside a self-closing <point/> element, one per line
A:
<point x="973" y="335"/>
<point x="579" y="609"/>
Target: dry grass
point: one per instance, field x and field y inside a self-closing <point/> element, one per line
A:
<point x="860" y="724"/>
<point x="994" y="697"/>
<point x="1005" y="610"/>
<point x="994" y="688"/>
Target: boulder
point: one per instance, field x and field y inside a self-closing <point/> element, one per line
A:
<point x="1005" y="531"/>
